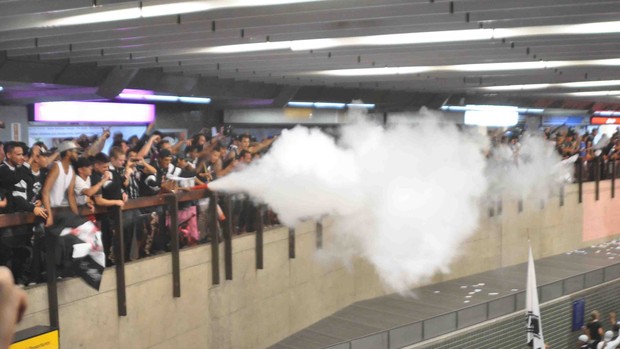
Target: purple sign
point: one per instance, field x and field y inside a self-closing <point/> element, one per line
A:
<point x="94" y="112"/>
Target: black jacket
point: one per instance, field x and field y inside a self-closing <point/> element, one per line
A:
<point x="17" y="185"/>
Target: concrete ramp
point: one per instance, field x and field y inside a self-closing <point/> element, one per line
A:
<point x="396" y="321"/>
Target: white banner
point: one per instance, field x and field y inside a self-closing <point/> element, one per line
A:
<point x="535" y="338"/>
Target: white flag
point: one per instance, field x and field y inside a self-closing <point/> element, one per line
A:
<point x="534" y="325"/>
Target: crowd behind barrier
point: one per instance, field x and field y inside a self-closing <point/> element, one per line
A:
<point x="596" y="154"/>
<point x="75" y="172"/>
<point x="35" y="179"/>
<point x="147" y="196"/>
<point x="76" y="177"/>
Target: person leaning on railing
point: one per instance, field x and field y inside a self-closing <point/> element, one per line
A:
<point x="18" y="185"/>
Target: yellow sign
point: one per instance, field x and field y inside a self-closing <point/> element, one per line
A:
<point x="47" y="340"/>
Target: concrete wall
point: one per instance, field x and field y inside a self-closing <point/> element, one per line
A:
<point x="552" y="229"/>
<point x="257" y="308"/>
<point x="10" y="115"/>
<point x="260" y="307"/>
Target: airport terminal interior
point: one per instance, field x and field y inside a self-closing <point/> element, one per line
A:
<point x="311" y="174"/>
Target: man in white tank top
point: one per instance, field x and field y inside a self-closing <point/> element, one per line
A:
<point x="58" y="189"/>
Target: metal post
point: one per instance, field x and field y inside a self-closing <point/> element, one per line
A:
<point x="597" y="177"/>
<point x="319" y="234"/>
<point x="613" y="179"/>
<point x="580" y="178"/>
<point x="259" y="236"/>
<point x="291" y="242"/>
<point x="173" y="211"/>
<point x="228" y="238"/>
<point x="52" y="290"/>
<point x="215" y="239"/>
<point x="561" y="195"/>
<point x="119" y="259"/>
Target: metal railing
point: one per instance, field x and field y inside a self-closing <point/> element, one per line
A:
<point x="419" y="331"/>
<point x="170" y="203"/>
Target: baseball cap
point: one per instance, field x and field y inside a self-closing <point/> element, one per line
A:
<point x="67" y="145"/>
<point x="583" y="338"/>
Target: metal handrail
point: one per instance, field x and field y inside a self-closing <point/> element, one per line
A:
<point x="514" y="297"/>
<point x="170" y="200"/>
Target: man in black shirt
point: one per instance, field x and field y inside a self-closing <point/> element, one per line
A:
<point x="101" y="165"/>
<point x="153" y="184"/>
<point x="17" y="183"/>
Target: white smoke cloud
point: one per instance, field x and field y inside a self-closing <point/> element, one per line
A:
<point x="403" y="197"/>
<point x="530" y="169"/>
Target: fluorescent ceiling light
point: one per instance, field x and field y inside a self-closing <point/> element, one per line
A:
<point x="261" y="46"/>
<point x="517" y="87"/>
<point x="106" y="13"/>
<point x="575" y="84"/>
<point x="530" y="110"/>
<point x="376" y="71"/>
<point x="607" y="112"/>
<point x="595" y="93"/>
<point x="579" y="84"/>
<point x="330" y="105"/>
<point x="301" y="104"/>
<point x="1" y="88"/>
<point x="460" y="108"/>
<point x="161" y="98"/>
<point x="477" y="67"/>
<point x="394" y="39"/>
<point x="326" y="105"/>
<point x="95" y="17"/>
<point x="195" y="100"/>
<point x="360" y="106"/>
<point x="426" y="37"/>
<point x="565" y="29"/>
<point x="142" y="95"/>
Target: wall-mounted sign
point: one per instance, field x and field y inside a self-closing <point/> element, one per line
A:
<point x="94" y="112"/>
<point x="40" y="337"/>
<point x="603" y="120"/>
<point x="579" y="307"/>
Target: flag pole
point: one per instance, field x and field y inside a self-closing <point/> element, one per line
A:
<point x="535" y="338"/>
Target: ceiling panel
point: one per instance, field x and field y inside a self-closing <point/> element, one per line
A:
<point x="163" y="49"/>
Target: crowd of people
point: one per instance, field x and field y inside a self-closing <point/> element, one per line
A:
<point x="38" y="179"/>
<point x="594" y="335"/>
<point x="592" y="148"/>
<point x="594" y="151"/>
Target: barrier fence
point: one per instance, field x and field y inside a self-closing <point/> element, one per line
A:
<point x="169" y="202"/>
<point x="419" y="331"/>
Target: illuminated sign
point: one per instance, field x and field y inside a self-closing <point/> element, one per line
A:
<point x="491" y="115"/>
<point x="601" y="120"/>
<point x="94" y="112"/>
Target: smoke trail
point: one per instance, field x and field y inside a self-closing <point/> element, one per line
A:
<point x="402" y="197"/>
<point x="532" y="169"/>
